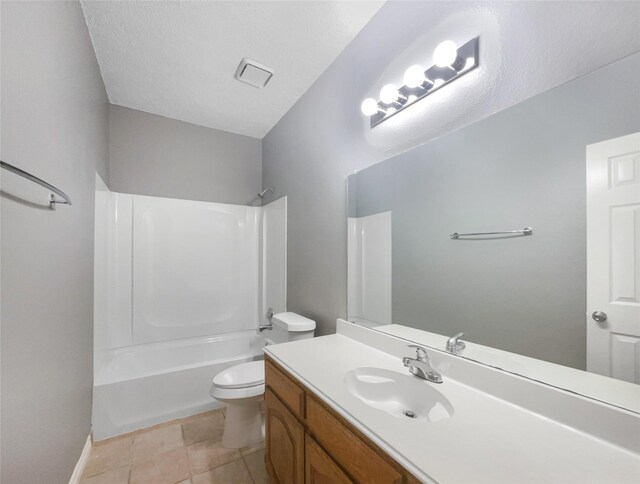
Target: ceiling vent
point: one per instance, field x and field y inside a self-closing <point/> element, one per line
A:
<point x="253" y="73"/>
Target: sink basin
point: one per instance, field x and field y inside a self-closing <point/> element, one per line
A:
<point x="403" y="396"/>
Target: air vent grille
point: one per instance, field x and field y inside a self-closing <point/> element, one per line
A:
<point x="253" y="73"/>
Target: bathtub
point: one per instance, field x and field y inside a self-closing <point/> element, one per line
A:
<point x="140" y="386"/>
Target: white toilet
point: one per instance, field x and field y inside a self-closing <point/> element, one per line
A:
<point x="241" y="387"/>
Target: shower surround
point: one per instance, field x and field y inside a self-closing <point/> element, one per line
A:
<point x="180" y="288"/>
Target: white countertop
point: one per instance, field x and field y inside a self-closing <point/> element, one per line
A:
<point x="486" y="440"/>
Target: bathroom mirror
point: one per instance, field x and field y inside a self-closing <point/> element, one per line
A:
<point x="560" y="174"/>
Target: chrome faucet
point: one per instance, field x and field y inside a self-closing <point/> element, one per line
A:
<point x="420" y="366"/>
<point x="454" y="346"/>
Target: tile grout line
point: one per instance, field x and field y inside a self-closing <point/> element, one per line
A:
<point x="186" y="451"/>
<point x="131" y="460"/>
<point x="248" y="470"/>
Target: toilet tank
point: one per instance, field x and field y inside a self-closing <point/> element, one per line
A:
<point x="290" y="327"/>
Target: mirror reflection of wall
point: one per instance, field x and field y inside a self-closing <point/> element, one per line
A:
<point x="369" y="272"/>
<point x="525" y="166"/>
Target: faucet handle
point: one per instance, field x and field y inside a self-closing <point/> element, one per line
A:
<point x="456" y="336"/>
<point x="421" y="353"/>
<point x="454" y="346"/>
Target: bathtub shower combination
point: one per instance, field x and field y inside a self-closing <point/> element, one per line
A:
<point x="180" y="289"/>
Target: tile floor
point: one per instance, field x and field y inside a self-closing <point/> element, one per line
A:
<point x="185" y="451"/>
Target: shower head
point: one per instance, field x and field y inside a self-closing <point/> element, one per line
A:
<point x="261" y="194"/>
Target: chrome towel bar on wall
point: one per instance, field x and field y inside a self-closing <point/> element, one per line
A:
<point x="52" y="198"/>
<point x="524" y="231"/>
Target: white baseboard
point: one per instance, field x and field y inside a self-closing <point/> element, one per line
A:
<point x="84" y="457"/>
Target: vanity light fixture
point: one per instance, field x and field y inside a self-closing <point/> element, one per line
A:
<point x="449" y="63"/>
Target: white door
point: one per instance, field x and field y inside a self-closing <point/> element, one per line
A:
<point x="613" y="258"/>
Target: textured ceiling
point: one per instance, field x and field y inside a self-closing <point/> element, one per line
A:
<point x="178" y="59"/>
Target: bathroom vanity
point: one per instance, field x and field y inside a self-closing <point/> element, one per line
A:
<point x="344" y="408"/>
<point x="307" y="441"/>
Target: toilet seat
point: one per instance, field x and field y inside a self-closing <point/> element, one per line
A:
<point x="228" y="395"/>
<point x="241" y="376"/>
<point x="243" y="381"/>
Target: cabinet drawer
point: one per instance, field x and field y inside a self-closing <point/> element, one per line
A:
<point x="362" y="462"/>
<point x="320" y="468"/>
<point x="286" y="389"/>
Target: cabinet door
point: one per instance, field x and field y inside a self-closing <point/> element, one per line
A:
<point x="366" y="465"/>
<point x="320" y="468"/>
<point x="284" y="442"/>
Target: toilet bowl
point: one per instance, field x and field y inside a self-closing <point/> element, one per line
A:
<point x="241" y="387"/>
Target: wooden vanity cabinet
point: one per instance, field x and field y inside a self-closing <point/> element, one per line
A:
<point x="308" y="442"/>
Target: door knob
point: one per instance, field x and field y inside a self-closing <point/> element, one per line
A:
<point x="599" y="316"/>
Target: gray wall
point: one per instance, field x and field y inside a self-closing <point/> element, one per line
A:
<point x="54" y="123"/>
<point x="158" y="156"/>
<point x="323" y="137"/>
<point x="523" y="166"/>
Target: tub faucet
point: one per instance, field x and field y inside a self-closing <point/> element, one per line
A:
<point x="420" y="366"/>
<point x="454" y="346"/>
<point x="269" y="325"/>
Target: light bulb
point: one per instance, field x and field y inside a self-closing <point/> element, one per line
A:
<point x="438" y="82"/>
<point x="414" y="76"/>
<point x="469" y="63"/>
<point x="445" y="54"/>
<point x="389" y="94"/>
<point x="369" y="107"/>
